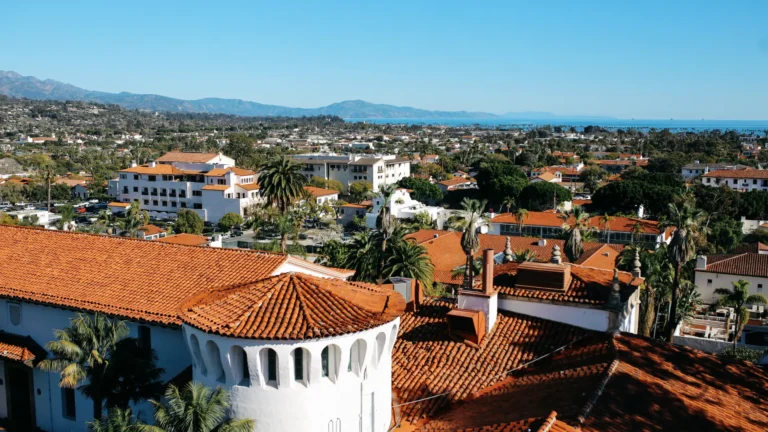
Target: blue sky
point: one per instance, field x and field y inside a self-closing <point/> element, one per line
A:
<point x="642" y="59"/>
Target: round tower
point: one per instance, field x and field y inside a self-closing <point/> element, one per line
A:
<point x="297" y="352"/>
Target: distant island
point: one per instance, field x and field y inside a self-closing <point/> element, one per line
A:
<point x="13" y="84"/>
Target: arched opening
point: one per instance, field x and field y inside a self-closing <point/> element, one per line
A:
<point x="381" y="342"/>
<point x="269" y="367"/>
<point x="214" y="360"/>
<point x="197" y="355"/>
<point x="357" y="357"/>
<point x="239" y="364"/>
<point x="330" y="358"/>
<point x="392" y="337"/>
<point x="300" y="358"/>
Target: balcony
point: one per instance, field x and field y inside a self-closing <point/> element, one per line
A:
<point x="145" y="192"/>
<point x="172" y="194"/>
<point x="163" y="194"/>
<point x="182" y="195"/>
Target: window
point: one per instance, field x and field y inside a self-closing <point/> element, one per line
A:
<point x="135" y="188"/>
<point x="68" y="404"/>
<point x="239" y="359"/>
<point x="324" y="362"/>
<point x="271" y="366"/>
<point x="154" y="202"/>
<point x="759" y="287"/>
<point x="198" y="356"/>
<point x="381" y="340"/>
<point x="183" y="205"/>
<point x="357" y="357"/>
<point x="14" y="313"/>
<point x="146" y="202"/>
<point x="197" y="206"/>
<point x="709" y="282"/>
<point x="152" y="178"/>
<point x="197" y="193"/>
<point x="173" y="204"/>
<point x="125" y="189"/>
<point x="123" y="176"/>
<point x="135" y="176"/>
<point x="330" y="360"/>
<point x="214" y="359"/>
<point x="222" y="181"/>
<point x="145" y="337"/>
<point x="298" y="365"/>
<point x="165" y="203"/>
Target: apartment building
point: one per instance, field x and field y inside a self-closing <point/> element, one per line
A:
<point x="697" y="169"/>
<point x="208" y="183"/>
<point x="743" y="180"/>
<point x="376" y="169"/>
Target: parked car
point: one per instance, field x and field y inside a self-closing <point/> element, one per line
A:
<point x="80" y="210"/>
<point x="237" y="233"/>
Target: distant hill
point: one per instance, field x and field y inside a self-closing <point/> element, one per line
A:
<point x="15" y="85"/>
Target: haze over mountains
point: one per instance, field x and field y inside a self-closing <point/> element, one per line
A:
<point x="15" y="85"/>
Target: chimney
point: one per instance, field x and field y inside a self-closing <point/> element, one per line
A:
<point x="556" y="256"/>
<point x="152" y="164"/>
<point x="543" y="242"/>
<point x="488" y="271"/>
<point x="133" y="164"/>
<point x="636" y="265"/>
<point x="701" y="262"/>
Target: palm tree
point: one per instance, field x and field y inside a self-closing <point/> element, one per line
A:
<point x="606" y="220"/>
<point x="477" y="269"/>
<point x="576" y="228"/>
<point x="135" y="218"/>
<point x="637" y="229"/>
<point x="118" y="420"/>
<point x="386" y="223"/>
<point x="195" y="409"/>
<point x="470" y="242"/>
<point x="508" y="202"/>
<point x="687" y="220"/>
<point x="408" y="259"/>
<point x="107" y="219"/>
<point x="95" y="355"/>
<point x="362" y="256"/>
<point x="521" y="215"/>
<point x="281" y="182"/>
<point x="48" y="176"/>
<point x="285" y="225"/>
<point x="524" y="256"/>
<point x="737" y="298"/>
<point x="333" y="254"/>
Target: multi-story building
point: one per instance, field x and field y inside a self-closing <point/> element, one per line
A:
<point x="696" y="169"/>
<point x="743" y="180"/>
<point x="376" y="169"/>
<point x="208" y="183"/>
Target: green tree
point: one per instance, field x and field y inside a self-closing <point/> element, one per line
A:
<point x="385" y="222"/>
<point x="359" y="190"/>
<point x="285" y="225"/>
<point x="472" y="216"/>
<point x="738" y="298"/>
<point x="67" y="213"/>
<point x="591" y="176"/>
<point x="688" y="223"/>
<point x="522" y="256"/>
<point x="521" y="215"/>
<point x="195" y="409"/>
<point x="576" y="229"/>
<point x="48" y="175"/>
<point x="408" y="259"/>
<point x="135" y="218"/>
<point x="117" y="420"/>
<point x="326" y="184"/>
<point x="188" y="222"/>
<point x="333" y="254"/>
<point x="423" y="190"/>
<point x="229" y="221"/>
<point x="282" y="182"/>
<point x="362" y="256"/>
<point x="539" y="196"/>
<point x="500" y="178"/>
<point x="95" y="355"/>
<point x="423" y="221"/>
<point x="508" y="202"/>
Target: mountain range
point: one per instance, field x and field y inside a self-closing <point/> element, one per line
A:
<point x="13" y="84"/>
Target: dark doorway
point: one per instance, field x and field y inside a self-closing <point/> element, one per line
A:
<point x="20" y="403"/>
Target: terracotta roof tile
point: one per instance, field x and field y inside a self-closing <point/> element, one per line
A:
<point x="158" y="169"/>
<point x="249" y="186"/>
<point x="118" y="204"/>
<point x="135" y="279"/>
<point x="456" y="181"/>
<point x="746" y="264"/>
<point x="216" y="187"/>
<point x="185" y="239"/>
<point x="151" y="229"/>
<point x="176" y="156"/>
<point x="20" y="348"/>
<point x="741" y="174"/>
<point x="552" y="219"/>
<point x="292" y="306"/>
<point x="319" y="192"/>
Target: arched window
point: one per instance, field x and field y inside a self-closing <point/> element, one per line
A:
<point x="357" y="357"/>
<point x="269" y="367"/>
<point x="239" y="365"/>
<point x="329" y="362"/>
<point x="214" y="359"/>
<point x="300" y="365"/>
<point x="381" y="340"/>
<point x="392" y="337"/>
<point x="198" y="356"/>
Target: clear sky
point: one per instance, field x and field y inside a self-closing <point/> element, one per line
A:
<point x="644" y="59"/>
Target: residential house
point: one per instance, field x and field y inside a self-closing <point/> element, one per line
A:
<point x="457" y="183"/>
<point x="321" y="195"/>
<point x="151" y="232"/>
<point x="697" y="169"/>
<point x="742" y="180"/>
<point x="402" y="206"/>
<point x="348" y="212"/>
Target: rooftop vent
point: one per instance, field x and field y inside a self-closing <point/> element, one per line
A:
<point x="543" y="276"/>
<point x="467" y="325"/>
<point x="542" y="242"/>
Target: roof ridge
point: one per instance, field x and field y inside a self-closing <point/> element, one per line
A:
<point x="607" y="374"/>
<point x="732" y="256"/>
<point x="294" y="278"/>
<point x="548" y="422"/>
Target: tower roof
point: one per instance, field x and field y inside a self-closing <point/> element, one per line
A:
<point x="292" y="306"/>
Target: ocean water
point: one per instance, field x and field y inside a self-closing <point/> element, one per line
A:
<point x="759" y="127"/>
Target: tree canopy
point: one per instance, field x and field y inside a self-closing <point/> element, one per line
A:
<point x="542" y="195"/>
<point x="188" y="222"/>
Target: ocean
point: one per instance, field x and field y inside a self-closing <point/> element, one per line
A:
<point x="759" y="127"/>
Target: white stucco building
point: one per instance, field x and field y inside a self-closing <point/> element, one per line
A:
<point x="376" y="169"/>
<point x="720" y="271"/>
<point x="207" y="183"/>
<point x="402" y="206"/>
<point x="743" y="180"/>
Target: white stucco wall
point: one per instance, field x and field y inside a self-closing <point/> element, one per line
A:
<point x="39" y="322"/>
<point x="339" y="402"/>
<point x="589" y="318"/>
<point x="720" y="280"/>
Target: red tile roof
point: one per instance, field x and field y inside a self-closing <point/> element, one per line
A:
<point x="20" y="348"/>
<point x="219" y="172"/>
<point x="158" y="169"/>
<point x="552" y="219"/>
<point x="742" y="174"/>
<point x="151" y="229"/>
<point x="135" y="279"/>
<point x="176" y="156"/>
<point x="185" y="239"/>
<point x="118" y="204"/>
<point x="746" y="264"/>
<point x="216" y="187"/>
<point x="294" y="307"/>
<point x="320" y="192"/>
<point x="456" y="181"/>
<point x="249" y="186"/>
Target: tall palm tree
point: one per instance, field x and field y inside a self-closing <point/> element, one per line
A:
<point x="107" y="219"/>
<point x="508" y="202"/>
<point x="637" y="229"/>
<point x="95" y="355"/>
<point x="687" y="220"/>
<point x="117" y="420"/>
<point x="737" y="298"/>
<point x="285" y="225"/>
<point x="135" y="218"/>
<point x="606" y="220"/>
<point x="362" y="256"/>
<point x="521" y="215"/>
<point x="472" y="215"/>
<point x="576" y="228"/>
<point x="386" y="223"/>
<point x="195" y="409"/>
<point x="409" y="259"/>
<point x="48" y="176"/>
<point x="281" y="182"/>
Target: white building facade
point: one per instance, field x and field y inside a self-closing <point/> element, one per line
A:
<point x="402" y="206"/>
<point x="376" y="169"/>
<point x="743" y="180"/>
